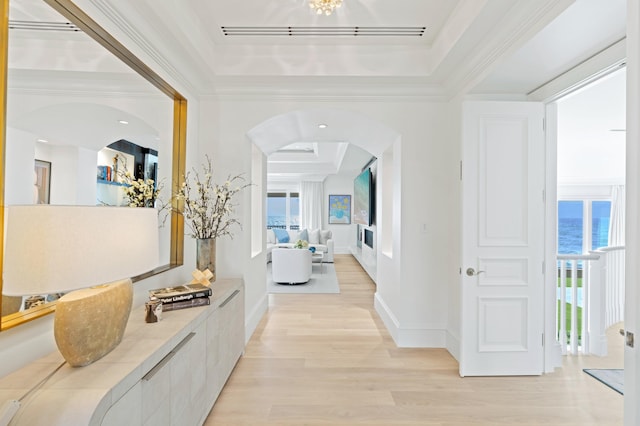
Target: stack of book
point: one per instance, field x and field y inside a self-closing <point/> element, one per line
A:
<point x="106" y="173"/>
<point x="182" y="296"/>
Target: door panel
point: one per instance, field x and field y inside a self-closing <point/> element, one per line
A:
<point x="503" y="325"/>
<point x="503" y="202"/>
<point x="507" y="272"/>
<point x="503" y="239"/>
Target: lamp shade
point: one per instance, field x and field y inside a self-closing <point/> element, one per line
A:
<point x="57" y="249"/>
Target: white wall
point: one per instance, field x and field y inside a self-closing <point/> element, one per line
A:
<point x="20" y="147"/>
<point x="589" y="152"/>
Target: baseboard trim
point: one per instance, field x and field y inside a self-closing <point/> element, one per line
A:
<point x="553" y="357"/>
<point x="453" y="346"/>
<point x="252" y="320"/>
<point x="412" y="336"/>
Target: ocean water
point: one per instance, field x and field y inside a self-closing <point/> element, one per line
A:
<point x="281" y="222"/>
<point x="570" y="234"/>
<point x="276" y="220"/>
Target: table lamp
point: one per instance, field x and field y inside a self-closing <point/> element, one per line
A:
<point x="89" y="253"/>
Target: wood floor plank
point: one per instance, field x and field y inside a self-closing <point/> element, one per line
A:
<point x="328" y="360"/>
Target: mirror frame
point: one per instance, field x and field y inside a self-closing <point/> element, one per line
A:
<point x="75" y="15"/>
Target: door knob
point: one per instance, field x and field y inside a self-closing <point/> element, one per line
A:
<point x="471" y="272"/>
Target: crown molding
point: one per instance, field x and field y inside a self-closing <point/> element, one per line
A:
<point x="522" y="21"/>
<point x="608" y="60"/>
<point x="125" y="27"/>
<point x="326" y="88"/>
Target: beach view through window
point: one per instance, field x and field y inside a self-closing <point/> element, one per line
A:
<point x="571" y="226"/>
<point x="278" y="216"/>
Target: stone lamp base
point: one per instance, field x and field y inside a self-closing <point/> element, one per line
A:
<point x="90" y="322"/>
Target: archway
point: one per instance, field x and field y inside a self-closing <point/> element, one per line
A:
<point x="352" y="127"/>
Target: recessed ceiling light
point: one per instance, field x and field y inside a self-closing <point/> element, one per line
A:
<point x="322" y="126"/>
<point x="42" y="140"/>
<point x="123" y="122"/>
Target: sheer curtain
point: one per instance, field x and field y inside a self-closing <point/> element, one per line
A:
<point x="311" y="205"/>
<point x="616" y="223"/>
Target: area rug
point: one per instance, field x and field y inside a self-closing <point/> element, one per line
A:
<point x="324" y="281"/>
<point x="612" y="377"/>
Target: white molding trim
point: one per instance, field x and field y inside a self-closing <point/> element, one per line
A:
<point x="525" y="19"/>
<point x="326" y="97"/>
<point x="585" y="192"/>
<point x="117" y="18"/>
<point x="80" y="93"/>
<point x="597" y="66"/>
<point x="254" y="316"/>
<point x="552" y="349"/>
<point x="453" y="345"/>
<point x="632" y="232"/>
<point x="413" y="336"/>
<point x="329" y="89"/>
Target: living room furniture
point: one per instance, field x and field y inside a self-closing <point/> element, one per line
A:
<point x="318" y="257"/>
<point x="291" y="265"/>
<point x="321" y="239"/>
<point x="168" y="372"/>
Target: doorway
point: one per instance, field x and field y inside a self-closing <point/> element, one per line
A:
<point x="589" y="203"/>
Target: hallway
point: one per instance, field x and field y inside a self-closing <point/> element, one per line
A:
<point x="326" y="359"/>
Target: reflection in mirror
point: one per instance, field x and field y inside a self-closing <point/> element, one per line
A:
<point x="72" y="106"/>
<point x="128" y="176"/>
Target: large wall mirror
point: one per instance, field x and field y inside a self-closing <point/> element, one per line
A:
<point x="74" y="100"/>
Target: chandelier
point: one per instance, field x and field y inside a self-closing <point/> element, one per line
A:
<point x="324" y="6"/>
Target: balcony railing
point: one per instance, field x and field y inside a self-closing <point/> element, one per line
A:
<point x="591" y="297"/>
<point x="291" y="227"/>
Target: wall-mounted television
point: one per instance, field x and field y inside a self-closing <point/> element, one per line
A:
<point x="363" y="198"/>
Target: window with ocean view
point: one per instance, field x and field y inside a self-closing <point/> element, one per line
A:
<point x="601" y="214"/>
<point x="570" y="215"/>
<point x="577" y="235"/>
<point x="283" y="210"/>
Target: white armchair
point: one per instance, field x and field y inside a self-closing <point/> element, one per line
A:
<point x="290" y="265"/>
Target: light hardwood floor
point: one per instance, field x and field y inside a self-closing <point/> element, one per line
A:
<point x="328" y="360"/>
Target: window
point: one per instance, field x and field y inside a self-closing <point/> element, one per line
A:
<point x="570" y="220"/>
<point x="601" y="213"/>
<point x="283" y="210"/>
<point x="294" y="210"/>
<point x="583" y="225"/>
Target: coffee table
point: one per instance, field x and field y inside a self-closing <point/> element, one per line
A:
<point x="318" y="257"/>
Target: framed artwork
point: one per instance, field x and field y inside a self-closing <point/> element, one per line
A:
<point x="340" y="209"/>
<point x="42" y="182"/>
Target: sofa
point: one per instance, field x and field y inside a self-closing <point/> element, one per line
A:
<point x="318" y="238"/>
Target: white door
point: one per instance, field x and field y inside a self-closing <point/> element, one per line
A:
<point x="502" y="276"/>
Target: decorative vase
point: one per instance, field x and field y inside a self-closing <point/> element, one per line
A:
<point x="206" y="255"/>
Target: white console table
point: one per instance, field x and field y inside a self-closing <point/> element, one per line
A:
<point x="165" y="373"/>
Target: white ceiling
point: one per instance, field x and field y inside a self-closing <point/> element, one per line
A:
<point x="480" y="46"/>
<point x="591" y="133"/>
<point x="464" y="40"/>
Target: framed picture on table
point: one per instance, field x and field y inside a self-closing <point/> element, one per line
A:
<point x="340" y="209"/>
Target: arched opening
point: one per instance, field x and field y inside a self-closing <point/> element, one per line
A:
<point x="339" y="129"/>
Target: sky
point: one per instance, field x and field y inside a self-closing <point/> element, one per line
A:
<point x="573" y="209"/>
<point x="276" y="206"/>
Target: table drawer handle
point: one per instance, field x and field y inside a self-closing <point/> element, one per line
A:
<point x="228" y="299"/>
